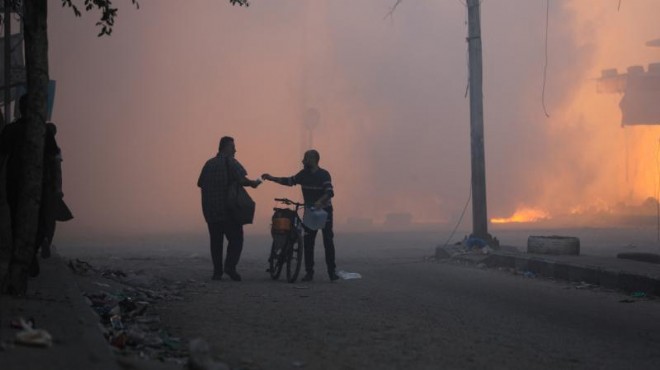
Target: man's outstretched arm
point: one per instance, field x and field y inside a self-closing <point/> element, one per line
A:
<point x="286" y="181"/>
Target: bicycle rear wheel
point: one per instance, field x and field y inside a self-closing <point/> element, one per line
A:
<point x="277" y="255"/>
<point x="294" y="254"/>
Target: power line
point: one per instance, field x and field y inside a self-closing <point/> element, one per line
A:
<point x="460" y="219"/>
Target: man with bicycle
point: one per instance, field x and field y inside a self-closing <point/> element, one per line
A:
<point x="317" y="190"/>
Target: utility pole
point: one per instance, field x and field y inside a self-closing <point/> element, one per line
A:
<point x="479" y="213"/>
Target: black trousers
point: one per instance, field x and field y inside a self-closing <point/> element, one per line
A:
<point x="328" y="245"/>
<point x="234" y="233"/>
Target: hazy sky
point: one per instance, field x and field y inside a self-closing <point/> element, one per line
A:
<point x="141" y="111"/>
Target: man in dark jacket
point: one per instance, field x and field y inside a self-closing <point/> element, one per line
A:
<point x="317" y="190"/>
<point x="214" y="181"/>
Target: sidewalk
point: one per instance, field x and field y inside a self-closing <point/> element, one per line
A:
<point x="608" y="272"/>
<point x="56" y="304"/>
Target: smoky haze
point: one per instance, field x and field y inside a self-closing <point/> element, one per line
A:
<point x="141" y="111"/>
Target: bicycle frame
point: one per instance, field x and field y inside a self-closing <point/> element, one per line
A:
<point x="292" y="250"/>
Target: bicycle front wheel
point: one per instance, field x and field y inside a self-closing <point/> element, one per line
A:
<point x="277" y="255"/>
<point x="294" y="256"/>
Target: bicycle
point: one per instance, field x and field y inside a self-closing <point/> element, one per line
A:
<point x="288" y="241"/>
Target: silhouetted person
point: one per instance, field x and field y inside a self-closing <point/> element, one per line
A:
<point x="12" y="141"/>
<point x="317" y="191"/>
<point x="53" y="207"/>
<point x="214" y="181"/>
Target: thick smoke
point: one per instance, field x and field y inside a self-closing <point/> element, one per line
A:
<point x="139" y="112"/>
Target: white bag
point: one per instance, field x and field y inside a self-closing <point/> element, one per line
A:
<point x="314" y="218"/>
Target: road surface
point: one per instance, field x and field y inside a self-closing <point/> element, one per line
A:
<point x="405" y="313"/>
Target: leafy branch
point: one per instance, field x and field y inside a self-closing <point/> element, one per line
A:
<point x="109" y="13"/>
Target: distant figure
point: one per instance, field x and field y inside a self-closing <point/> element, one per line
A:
<point x="214" y="181"/>
<point x="53" y="207"/>
<point x="317" y="191"/>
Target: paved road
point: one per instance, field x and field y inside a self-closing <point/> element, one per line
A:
<point x="404" y="313"/>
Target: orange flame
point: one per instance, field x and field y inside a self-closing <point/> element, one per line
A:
<point x="523" y="215"/>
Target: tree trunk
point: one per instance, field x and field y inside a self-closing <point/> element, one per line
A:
<point x="36" y="61"/>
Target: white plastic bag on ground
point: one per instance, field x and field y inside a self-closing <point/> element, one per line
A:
<point x="348" y="275"/>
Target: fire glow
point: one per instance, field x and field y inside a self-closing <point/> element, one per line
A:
<point x="523" y="215"/>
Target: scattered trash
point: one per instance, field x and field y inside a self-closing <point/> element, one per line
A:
<point x="80" y="267"/>
<point x="298" y="364"/>
<point x="481" y="265"/>
<point x="34" y="338"/>
<point x="115" y="322"/>
<point x="473" y="242"/>
<point x="21" y="323"/>
<point x="119" y="340"/>
<point x="529" y="275"/>
<point x="301" y="287"/>
<point x="584" y="285"/>
<point x="348" y="275"/>
<point x="486" y="250"/>
<point x="113" y="274"/>
<point x="627" y="301"/>
<point x="128" y="318"/>
<point x="638" y="294"/>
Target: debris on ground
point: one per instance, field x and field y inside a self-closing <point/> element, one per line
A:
<point x="584" y="285"/>
<point x="80" y="267"/>
<point x="29" y="334"/>
<point x="128" y="318"/>
<point x="34" y="338"/>
<point x="348" y="275"/>
<point x="21" y="323"/>
<point x="529" y="274"/>
<point x="638" y="294"/>
<point x="468" y="246"/>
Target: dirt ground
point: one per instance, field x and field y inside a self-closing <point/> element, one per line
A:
<point x="405" y="312"/>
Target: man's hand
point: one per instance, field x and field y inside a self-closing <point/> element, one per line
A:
<point x="268" y="177"/>
<point x="255" y="183"/>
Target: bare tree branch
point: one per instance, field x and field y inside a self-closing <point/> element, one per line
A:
<point x="390" y="14"/>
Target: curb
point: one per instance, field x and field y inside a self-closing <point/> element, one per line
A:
<point x="607" y="277"/>
<point x="99" y="351"/>
<point x="54" y="300"/>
